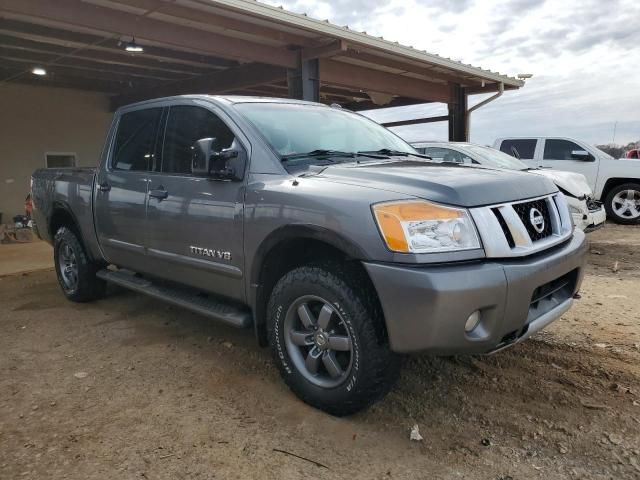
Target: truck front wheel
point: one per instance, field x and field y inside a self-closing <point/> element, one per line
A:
<point x="325" y="335"/>
<point x="623" y="204"/>
<point x="76" y="272"/>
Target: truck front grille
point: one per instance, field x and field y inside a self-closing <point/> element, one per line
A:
<point x="524" y="211"/>
<point x="525" y="227"/>
<point x="505" y="227"/>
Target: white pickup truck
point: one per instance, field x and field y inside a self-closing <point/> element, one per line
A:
<point x="616" y="182"/>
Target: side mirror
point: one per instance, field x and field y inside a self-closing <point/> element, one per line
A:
<point x="201" y="152"/>
<point x="208" y="160"/>
<point x="582" y="155"/>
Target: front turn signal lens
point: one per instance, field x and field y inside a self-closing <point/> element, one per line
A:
<point x="425" y="227"/>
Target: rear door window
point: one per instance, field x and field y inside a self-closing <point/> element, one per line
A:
<point x="555" y="149"/>
<point x="135" y="140"/>
<point x="187" y="124"/>
<point x="522" y="148"/>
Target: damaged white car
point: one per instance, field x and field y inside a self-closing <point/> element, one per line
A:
<point x="586" y="212"/>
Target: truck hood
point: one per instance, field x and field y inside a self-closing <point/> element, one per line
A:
<point x="573" y="183"/>
<point x="450" y="184"/>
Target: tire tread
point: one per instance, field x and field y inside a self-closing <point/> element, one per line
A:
<point x="382" y="370"/>
<point x="89" y="287"/>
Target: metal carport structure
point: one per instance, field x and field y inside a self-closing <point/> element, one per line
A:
<point x="227" y="46"/>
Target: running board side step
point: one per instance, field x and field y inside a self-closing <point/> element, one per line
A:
<point x="181" y="296"/>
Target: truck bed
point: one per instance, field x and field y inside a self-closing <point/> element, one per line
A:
<point x="69" y="190"/>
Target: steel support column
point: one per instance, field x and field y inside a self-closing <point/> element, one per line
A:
<point x="304" y="82"/>
<point x="457" y="114"/>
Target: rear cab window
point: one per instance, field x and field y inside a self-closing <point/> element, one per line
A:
<point x="522" y="148"/>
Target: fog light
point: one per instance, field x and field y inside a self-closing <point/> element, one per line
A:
<point x="472" y="322"/>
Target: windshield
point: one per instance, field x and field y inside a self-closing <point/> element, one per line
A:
<point x="294" y="129"/>
<point x="491" y="157"/>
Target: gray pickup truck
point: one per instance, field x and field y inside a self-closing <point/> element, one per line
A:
<point x="324" y="232"/>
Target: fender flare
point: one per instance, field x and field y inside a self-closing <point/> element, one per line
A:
<point x="613" y="182"/>
<point x="58" y="206"/>
<point x="282" y="234"/>
<point x="300" y="232"/>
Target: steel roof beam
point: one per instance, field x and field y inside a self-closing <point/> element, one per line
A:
<point x="238" y="78"/>
<point x="353" y="76"/>
<point x="71" y="39"/>
<point x="205" y="16"/>
<point x="105" y="19"/>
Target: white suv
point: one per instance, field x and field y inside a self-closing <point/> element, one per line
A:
<point x="616" y="182"/>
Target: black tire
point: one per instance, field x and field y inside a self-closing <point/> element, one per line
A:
<point x="82" y="285"/>
<point x="372" y="368"/>
<point x="612" y="203"/>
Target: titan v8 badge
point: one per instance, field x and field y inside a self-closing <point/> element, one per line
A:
<point x="208" y="252"/>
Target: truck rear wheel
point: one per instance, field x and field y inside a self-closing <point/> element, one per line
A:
<point x="325" y="335"/>
<point x="623" y="204"/>
<point x="76" y="272"/>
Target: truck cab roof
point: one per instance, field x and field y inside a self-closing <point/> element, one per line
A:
<point x="224" y="99"/>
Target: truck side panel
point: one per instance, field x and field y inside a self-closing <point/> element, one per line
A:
<point x="65" y="193"/>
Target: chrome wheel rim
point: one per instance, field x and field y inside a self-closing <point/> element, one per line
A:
<point x="68" y="266"/>
<point x="626" y="204"/>
<point x="318" y="341"/>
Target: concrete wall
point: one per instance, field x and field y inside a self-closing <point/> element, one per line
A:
<point x="36" y="120"/>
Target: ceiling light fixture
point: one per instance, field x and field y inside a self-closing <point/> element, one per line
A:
<point x="40" y="71"/>
<point x="133" y="47"/>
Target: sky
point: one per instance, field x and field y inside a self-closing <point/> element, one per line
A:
<point x="584" y="56"/>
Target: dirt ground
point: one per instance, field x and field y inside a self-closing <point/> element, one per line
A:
<point x="130" y="388"/>
<point x="25" y="257"/>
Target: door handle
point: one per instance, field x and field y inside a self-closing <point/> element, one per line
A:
<point x="104" y="187"/>
<point x="159" y="193"/>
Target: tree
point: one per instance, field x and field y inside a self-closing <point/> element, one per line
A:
<point x="618" y="151"/>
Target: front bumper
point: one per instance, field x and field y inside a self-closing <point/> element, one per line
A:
<point x="590" y="220"/>
<point x="426" y="307"/>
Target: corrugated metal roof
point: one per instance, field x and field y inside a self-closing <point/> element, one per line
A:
<point x="325" y="28"/>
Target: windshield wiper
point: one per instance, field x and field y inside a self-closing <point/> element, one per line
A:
<point x="318" y="153"/>
<point x="381" y="154"/>
<point x="395" y="153"/>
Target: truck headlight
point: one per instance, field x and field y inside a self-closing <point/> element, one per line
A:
<point x="424" y="227"/>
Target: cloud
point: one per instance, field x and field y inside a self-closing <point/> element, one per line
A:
<point x="447" y="28"/>
<point x="506" y="15"/>
<point x="604" y="32"/>
<point x="457" y="6"/>
<point x="575" y="30"/>
<point x="517" y="6"/>
<point x="353" y="11"/>
<point x="340" y="12"/>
